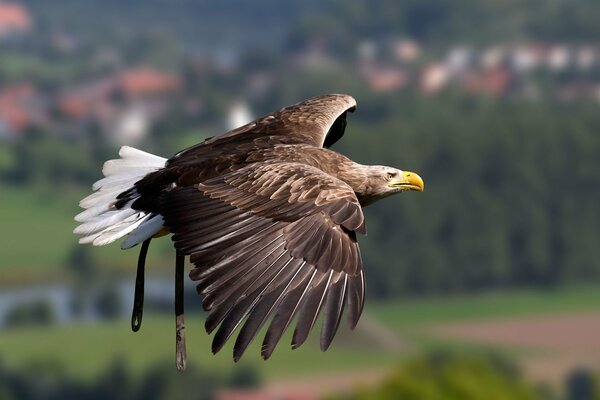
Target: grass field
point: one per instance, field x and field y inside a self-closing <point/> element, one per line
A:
<point x="39" y="219"/>
<point x="86" y="350"/>
<point x="37" y="236"/>
<point x="408" y="313"/>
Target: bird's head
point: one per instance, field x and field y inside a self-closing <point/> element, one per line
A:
<point x="382" y="181"/>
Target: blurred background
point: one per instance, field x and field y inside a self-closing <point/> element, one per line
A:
<point x="485" y="286"/>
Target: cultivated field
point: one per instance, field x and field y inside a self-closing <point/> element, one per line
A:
<point x="548" y="347"/>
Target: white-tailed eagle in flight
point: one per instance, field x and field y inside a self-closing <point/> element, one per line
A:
<point x="268" y="215"/>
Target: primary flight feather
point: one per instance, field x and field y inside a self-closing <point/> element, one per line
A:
<point x="267" y="214"/>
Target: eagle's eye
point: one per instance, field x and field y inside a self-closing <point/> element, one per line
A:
<point x="390" y="175"/>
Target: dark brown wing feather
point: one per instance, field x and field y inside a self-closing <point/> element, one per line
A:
<point x="334" y="307"/>
<point x="311" y="306"/>
<point x="285" y="312"/>
<point x="265" y="244"/>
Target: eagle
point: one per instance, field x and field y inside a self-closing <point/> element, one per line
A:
<point x="267" y="214"/>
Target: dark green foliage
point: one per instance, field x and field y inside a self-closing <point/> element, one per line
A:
<point x="583" y="384"/>
<point x="200" y="23"/>
<point x="48" y="381"/>
<point x="448" y="377"/>
<point x="511" y="194"/>
<point x="467" y="21"/>
<point x="37" y="313"/>
<point x="45" y="159"/>
<point x="108" y="302"/>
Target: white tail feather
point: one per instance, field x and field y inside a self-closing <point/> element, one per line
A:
<point x="101" y="196"/>
<point x="145" y="231"/>
<point x="102" y="222"/>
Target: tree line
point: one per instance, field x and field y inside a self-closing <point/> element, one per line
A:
<point x="511" y="194"/>
<point x="511" y="198"/>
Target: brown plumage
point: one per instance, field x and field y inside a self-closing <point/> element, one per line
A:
<point x="267" y="214"/>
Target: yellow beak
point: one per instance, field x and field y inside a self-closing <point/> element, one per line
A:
<point x="408" y="181"/>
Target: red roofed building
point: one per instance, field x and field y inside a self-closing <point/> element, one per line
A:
<point x="386" y="79"/>
<point x="81" y="102"/>
<point x="19" y="109"/>
<point x="14" y="18"/>
<point x="142" y="82"/>
<point x="494" y="82"/>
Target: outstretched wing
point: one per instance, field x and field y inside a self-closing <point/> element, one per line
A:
<point x="271" y="241"/>
<point x="319" y="121"/>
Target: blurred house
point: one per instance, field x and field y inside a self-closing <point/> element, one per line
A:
<point x="524" y="59"/>
<point x="124" y="105"/>
<point x="406" y="50"/>
<point x="385" y="79"/>
<point x="459" y="60"/>
<point x="146" y="82"/>
<point x="82" y="101"/>
<point x="434" y="78"/>
<point x="13" y="118"/>
<point x="21" y="107"/>
<point x="558" y="58"/>
<point x="494" y="82"/>
<point x="492" y="57"/>
<point x="14" y="20"/>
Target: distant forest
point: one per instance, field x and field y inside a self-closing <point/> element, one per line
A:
<point x="511" y="198"/>
<point x="268" y="23"/>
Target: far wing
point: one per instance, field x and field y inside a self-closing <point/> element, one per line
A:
<point x="319" y="121"/>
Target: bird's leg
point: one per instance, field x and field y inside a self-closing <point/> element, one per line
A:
<point x="138" y="299"/>
<point x="181" y="356"/>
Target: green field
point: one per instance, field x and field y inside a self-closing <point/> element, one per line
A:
<point x="38" y="237"/>
<point x="87" y="350"/>
<point x="405" y="314"/>
<point x="37" y="229"/>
